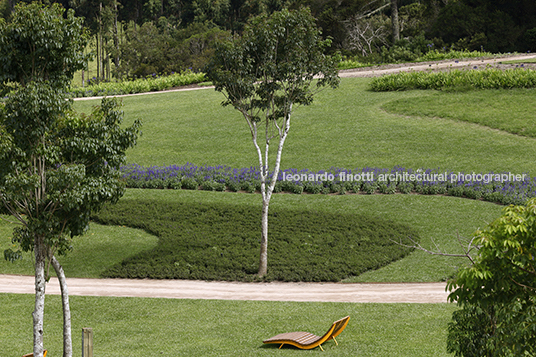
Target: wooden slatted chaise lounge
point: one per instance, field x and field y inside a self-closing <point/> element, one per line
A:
<point x="306" y="340"/>
<point x="31" y="354"/>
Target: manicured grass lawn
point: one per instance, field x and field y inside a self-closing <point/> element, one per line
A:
<point x="99" y="248"/>
<point x="511" y="111"/>
<point x="345" y="127"/>
<point x="169" y="327"/>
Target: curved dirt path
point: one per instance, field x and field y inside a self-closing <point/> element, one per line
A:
<point x="379" y="71"/>
<point x="275" y="291"/>
<point x="436" y="65"/>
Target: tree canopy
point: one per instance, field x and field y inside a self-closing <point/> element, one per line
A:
<point x="280" y="62"/>
<point x="498" y="292"/>
<point x="56" y="166"/>
<point x="142" y="37"/>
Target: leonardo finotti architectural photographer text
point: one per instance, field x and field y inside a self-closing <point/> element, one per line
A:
<point x="405" y="177"/>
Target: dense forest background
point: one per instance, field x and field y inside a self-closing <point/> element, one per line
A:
<point x="137" y="38"/>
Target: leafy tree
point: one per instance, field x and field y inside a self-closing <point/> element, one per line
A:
<point x="497" y="292"/>
<point x="265" y="74"/>
<point x="56" y="167"/>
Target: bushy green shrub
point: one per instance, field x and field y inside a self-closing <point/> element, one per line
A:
<point x="497" y="292"/>
<point x="142" y="85"/>
<point x="469" y="331"/>
<point x="189" y="183"/>
<point x="221" y="242"/>
<point x="437" y="55"/>
<point x="489" y="78"/>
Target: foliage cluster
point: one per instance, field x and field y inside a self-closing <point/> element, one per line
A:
<point x="142" y="85"/>
<point x="156" y="36"/>
<point x="497" y="26"/>
<point x="220" y="242"/>
<point x="151" y="49"/>
<point x="489" y="78"/>
<point x="497" y="292"/>
<point x="504" y="189"/>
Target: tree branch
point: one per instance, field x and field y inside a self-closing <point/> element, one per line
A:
<point x="418" y="246"/>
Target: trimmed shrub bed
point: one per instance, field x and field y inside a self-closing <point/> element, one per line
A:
<point x="221" y="242"/>
<point x="489" y="78"/>
<point x="141" y="85"/>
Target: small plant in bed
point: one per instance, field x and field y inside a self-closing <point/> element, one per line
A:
<point x="220" y="242"/>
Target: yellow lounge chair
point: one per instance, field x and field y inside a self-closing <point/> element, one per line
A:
<point x="306" y="340"/>
<point x="31" y="354"/>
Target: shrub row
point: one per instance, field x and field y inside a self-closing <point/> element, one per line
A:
<point x="150" y="84"/>
<point x="437" y="55"/>
<point x="432" y="55"/>
<point x="221" y="242"/>
<point x="502" y="188"/>
<point x="489" y="78"/>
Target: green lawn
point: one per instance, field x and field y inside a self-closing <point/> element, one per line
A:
<point x="358" y="133"/>
<point x="510" y="111"/>
<point x="169" y="327"/>
<point x="99" y="248"/>
<point x="345" y="127"/>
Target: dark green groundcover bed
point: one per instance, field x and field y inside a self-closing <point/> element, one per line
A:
<point x="222" y="242"/>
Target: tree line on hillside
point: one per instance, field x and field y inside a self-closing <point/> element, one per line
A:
<point x="137" y="38"/>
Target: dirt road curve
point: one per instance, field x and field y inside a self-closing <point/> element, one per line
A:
<point x="438" y="65"/>
<point x="188" y="289"/>
<point x="374" y="71"/>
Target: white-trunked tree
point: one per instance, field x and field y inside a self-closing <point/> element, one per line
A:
<point x="56" y="167"/>
<point x="279" y="62"/>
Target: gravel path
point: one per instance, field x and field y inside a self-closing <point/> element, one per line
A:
<point x="381" y="70"/>
<point x="275" y="291"/>
<point x="480" y="63"/>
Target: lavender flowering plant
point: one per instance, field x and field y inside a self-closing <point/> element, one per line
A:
<point x="503" y="188"/>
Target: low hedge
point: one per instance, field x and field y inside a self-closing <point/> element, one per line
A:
<point x="142" y="85"/>
<point x="221" y="242"/>
<point x="489" y="78"/>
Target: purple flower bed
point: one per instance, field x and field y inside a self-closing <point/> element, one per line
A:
<point x="503" y="188"/>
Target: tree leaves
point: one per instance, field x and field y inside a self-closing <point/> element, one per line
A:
<point x="40" y="43"/>
<point x="502" y="283"/>
<point x="274" y="64"/>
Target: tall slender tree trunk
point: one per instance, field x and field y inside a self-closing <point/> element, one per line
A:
<point x="40" y="285"/>
<point x="263" y="259"/>
<point x="67" y="337"/>
<point x="98" y="54"/>
<point x="267" y="191"/>
<point x="116" y="37"/>
<point x="101" y="35"/>
<point x="394" y="20"/>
